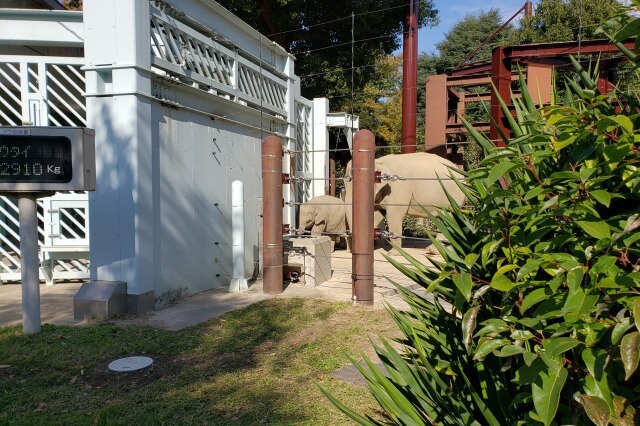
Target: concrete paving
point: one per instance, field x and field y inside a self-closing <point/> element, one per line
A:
<point x="57" y="300"/>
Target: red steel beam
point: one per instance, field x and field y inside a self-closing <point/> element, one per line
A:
<point x="565" y="48"/>
<point x="410" y="77"/>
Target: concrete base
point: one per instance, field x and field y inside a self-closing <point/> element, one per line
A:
<point x="141" y="303"/>
<point x="314" y="254"/>
<point x="101" y="299"/>
<point x="238" y="284"/>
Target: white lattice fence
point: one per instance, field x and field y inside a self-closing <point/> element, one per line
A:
<point x="303" y="161"/>
<point x="44" y="91"/>
<point x="10" y="96"/>
<point x="182" y="51"/>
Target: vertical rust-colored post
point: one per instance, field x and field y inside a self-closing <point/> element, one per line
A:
<point x="528" y="9"/>
<point x="409" y="76"/>
<point x="501" y="78"/>
<point x="436" y="115"/>
<point x="273" y="280"/>
<point x="362" y="230"/>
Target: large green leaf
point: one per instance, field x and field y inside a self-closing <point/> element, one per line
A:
<point x="535" y="297"/>
<point x="546" y="393"/>
<point x="630" y="353"/>
<point x="596" y="408"/>
<point x="626" y="415"/>
<point x="499" y="170"/>
<point x="527" y="374"/>
<point x="595" y="360"/>
<point x="636" y="312"/>
<point x="620" y="329"/>
<point x="469" y="326"/>
<point x="487" y="346"/>
<point x="463" y="283"/>
<point x="597" y="229"/>
<point x="602" y="196"/>
<point x="501" y="283"/>
<point x="556" y="346"/>
<point x="578" y="304"/>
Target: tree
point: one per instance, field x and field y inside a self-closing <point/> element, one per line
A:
<point x="379" y="103"/>
<point x="466" y="35"/>
<point x="319" y="33"/>
<point x="462" y="39"/>
<point x="563" y="20"/>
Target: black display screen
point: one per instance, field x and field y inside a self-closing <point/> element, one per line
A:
<point x="35" y="159"/>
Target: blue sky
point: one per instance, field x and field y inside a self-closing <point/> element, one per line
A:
<point x="451" y="11"/>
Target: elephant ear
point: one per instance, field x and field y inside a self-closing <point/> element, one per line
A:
<point x="321" y="216"/>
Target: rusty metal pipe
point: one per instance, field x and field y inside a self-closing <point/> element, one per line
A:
<point x="362" y="223"/>
<point x="272" y="275"/>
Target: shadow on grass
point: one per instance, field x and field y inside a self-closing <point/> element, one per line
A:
<point x="228" y="370"/>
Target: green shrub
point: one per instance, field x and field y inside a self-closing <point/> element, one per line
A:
<point x="472" y="154"/>
<point x="536" y="317"/>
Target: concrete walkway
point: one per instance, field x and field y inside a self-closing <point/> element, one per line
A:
<point x="57" y="300"/>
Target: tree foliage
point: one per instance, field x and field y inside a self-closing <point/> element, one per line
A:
<point x="462" y="39"/>
<point x="564" y="20"/>
<point x="536" y="318"/>
<point x="379" y="104"/>
<point x="319" y="33"/>
<point x="72" y="4"/>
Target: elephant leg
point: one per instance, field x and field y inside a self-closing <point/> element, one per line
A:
<point x="377" y="218"/>
<point x="394" y="223"/>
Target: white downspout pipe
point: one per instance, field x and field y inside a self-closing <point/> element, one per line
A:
<point x="238" y="282"/>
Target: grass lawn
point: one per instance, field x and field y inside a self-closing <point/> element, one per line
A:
<point x="258" y="365"/>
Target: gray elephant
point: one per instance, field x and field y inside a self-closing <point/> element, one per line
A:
<point x="323" y="214"/>
<point x="393" y="199"/>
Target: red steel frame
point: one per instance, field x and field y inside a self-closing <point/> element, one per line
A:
<point x="443" y="103"/>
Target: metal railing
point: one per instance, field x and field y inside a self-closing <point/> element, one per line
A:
<point x="181" y="50"/>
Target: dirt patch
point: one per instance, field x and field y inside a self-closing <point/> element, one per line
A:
<point x="163" y="368"/>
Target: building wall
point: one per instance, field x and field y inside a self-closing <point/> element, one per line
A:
<point x="168" y="148"/>
<point x="197" y="163"/>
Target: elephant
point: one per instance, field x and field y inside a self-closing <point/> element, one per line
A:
<point x="323" y="214"/>
<point x="393" y="199"/>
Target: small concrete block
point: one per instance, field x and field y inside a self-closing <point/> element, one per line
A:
<point x="102" y="299"/>
<point x="315" y="254"/>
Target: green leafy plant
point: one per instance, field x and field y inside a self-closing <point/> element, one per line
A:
<point x="536" y="312"/>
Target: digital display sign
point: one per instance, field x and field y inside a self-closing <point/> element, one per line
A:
<point x="44" y="160"/>
<point x="35" y="159"/>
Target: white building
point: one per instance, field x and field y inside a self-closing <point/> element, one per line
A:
<point x="180" y="94"/>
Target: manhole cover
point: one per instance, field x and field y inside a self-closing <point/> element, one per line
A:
<point x="131" y="363"/>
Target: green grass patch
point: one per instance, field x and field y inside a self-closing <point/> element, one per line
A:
<point x="258" y="365"/>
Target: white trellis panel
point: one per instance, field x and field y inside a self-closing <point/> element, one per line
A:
<point x="44" y="91"/>
<point x="181" y="50"/>
<point x="303" y="160"/>
<point x="66" y="220"/>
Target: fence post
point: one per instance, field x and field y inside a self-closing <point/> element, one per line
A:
<point x="273" y="281"/>
<point x="362" y="229"/>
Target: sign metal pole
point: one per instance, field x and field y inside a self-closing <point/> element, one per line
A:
<point x="28" y="214"/>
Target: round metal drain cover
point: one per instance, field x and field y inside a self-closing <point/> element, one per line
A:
<point x="131" y="363"/>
